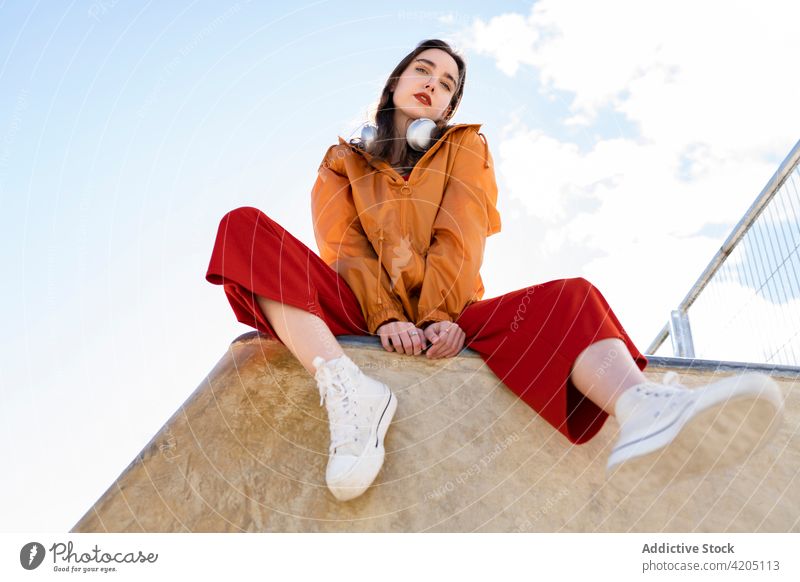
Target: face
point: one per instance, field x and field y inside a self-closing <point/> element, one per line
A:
<point x="432" y="73"/>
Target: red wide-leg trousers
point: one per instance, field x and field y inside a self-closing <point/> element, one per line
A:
<point x="529" y="338"/>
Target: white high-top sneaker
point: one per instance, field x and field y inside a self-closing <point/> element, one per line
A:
<point x="669" y="432"/>
<point x="360" y="410"/>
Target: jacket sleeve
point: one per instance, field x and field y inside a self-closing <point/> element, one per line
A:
<point x="344" y="246"/>
<point x="467" y="215"/>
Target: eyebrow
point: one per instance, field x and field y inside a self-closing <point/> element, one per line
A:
<point x="433" y="66"/>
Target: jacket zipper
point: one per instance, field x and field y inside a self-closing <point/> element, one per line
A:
<point x="405" y="198"/>
<point x="406" y="191"/>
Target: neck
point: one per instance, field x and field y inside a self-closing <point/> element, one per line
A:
<point x="401" y="123"/>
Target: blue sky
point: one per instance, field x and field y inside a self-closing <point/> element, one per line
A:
<point x="625" y="154"/>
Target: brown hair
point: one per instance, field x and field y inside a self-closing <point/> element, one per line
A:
<point x="384" y="116"/>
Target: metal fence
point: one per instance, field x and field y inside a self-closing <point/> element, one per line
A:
<point x="746" y="304"/>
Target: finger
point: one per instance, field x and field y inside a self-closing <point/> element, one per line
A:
<point x="450" y="346"/>
<point x="385" y="343"/>
<point x="445" y="341"/>
<point x="438" y="337"/>
<point x="422" y="339"/>
<point x="415" y="343"/>
<point x="408" y="346"/>
<point x="459" y="345"/>
<point x="440" y="348"/>
<point x="447" y="347"/>
<point x="396" y="343"/>
<point x="435" y="346"/>
<point x="442" y="343"/>
<point x="457" y="339"/>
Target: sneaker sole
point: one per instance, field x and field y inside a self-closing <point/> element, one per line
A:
<point x="711" y="434"/>
<point x="373" y="456"/>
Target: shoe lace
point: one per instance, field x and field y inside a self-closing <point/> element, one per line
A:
<point x="670" y="383"/>
<point x="670" y="388"/>
<point x="671" y="378"/>
<point x="337" y="388"/>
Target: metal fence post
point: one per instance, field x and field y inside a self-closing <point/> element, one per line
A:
<point x="681" y="334"/>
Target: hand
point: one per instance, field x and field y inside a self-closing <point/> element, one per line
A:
<point x="402" y="337"/>
<point x="447" y="339"/>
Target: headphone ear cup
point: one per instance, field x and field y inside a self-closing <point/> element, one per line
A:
<point x="368" y="135"/>
<point x="420" y="133"/>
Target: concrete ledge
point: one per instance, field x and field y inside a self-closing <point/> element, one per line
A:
<point x="369" y="342"/>
<point x="247" y="452"/>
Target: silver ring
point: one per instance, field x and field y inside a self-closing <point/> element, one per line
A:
<point x="413" y="332"/>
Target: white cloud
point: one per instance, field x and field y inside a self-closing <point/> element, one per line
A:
<point x="713" y="102"/>
<point x="510" y="38"/>
<point x="720" y="74"/>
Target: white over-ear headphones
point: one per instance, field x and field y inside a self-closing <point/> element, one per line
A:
<point x="419" y="134"/>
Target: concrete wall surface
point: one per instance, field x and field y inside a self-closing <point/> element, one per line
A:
<point x="248" y="450"/>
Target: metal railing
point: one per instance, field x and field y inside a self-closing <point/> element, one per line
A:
<point x="746" y="304"/>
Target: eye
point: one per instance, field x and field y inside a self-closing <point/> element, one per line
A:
<point x="445" y="85"/>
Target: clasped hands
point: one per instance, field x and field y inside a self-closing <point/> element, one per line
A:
<point x="444" y="338"/>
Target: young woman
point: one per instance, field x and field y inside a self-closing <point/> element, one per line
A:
<point x="401" y="229"/>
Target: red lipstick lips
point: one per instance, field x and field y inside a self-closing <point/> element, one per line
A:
<point x="423" y="98"/>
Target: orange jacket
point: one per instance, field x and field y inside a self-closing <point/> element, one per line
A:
<point x="410" y="251"/>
